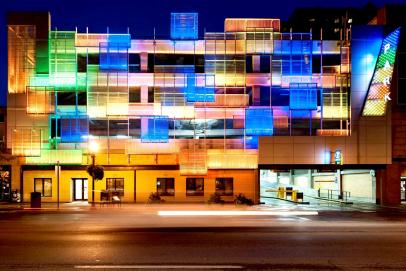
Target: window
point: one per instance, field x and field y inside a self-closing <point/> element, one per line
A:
<point x="224" y="186"/>
<point x="165" y="186"/>
<point x="115" y="185"/>
<point x="44" y="186"/>
<point x="194" y="186"/>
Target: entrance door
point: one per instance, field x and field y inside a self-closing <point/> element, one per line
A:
<point x="403" y="189"/>
<point x="80" y="189"/>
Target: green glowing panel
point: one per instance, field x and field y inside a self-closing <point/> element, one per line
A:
<point x="63" y="63"/>
<point x="42" y="57"/>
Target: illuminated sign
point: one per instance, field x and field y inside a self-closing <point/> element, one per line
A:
<point x="338" y="157"/>
<point x="379" y="89"/>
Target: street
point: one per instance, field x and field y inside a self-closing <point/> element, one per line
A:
<point x="138" y="238"/>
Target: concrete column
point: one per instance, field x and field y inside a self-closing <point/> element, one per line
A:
<point x="388" y="185"/>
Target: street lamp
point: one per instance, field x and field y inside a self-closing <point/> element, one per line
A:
<point x="93" y="148"/>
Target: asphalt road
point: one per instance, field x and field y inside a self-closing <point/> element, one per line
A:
<point x="115" y="239"/>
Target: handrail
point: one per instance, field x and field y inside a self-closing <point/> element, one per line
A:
<point x="341" y="195"/>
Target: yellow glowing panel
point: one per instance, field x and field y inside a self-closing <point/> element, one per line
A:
<point x="374" y="108"/>
<point x="229" y="80"/>
<point x="335" y="112"/>
<point x="232" y="159"/>
<point x="52" y="156"/>
<point x="177" y="112"/>
<point x="135" y="146"/>
<point x="90" y="40"/>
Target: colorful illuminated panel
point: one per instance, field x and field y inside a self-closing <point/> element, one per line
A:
<point x="184" y="26"/>
<point x="379" y="89"/>
<point x="154" y="129"/>
<point x="205" y="101"/>
<point x="259" y="121"/>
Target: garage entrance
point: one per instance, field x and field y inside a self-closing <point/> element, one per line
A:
<point x="355" y="185"/>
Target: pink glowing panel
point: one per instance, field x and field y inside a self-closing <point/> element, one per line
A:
<point x="141" y="109"/>
<point x="258" y="79"/>
<point x="219" y="113"/>
<point x="141" y="79"/>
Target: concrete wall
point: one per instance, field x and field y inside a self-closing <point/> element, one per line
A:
<point x="369" y="143"/>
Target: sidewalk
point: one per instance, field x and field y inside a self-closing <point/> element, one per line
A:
<point x="85" y="206"/>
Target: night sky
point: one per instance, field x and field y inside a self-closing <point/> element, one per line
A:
<point x="142" y="16"/>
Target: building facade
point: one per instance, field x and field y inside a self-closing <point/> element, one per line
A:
<point x="239" y="111"/>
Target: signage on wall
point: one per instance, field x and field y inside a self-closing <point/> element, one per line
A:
<point x="338" y="157"/>
<point x="379" y="89"/>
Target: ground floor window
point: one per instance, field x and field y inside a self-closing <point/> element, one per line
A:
<point x="43" y="186"/>
<point x="194" y="186"/>
<point x="165" y="186"/>
<point x="225" y="186"/>
<point x="115" y="185"/>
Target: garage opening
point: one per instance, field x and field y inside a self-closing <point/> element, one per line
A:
<point x="355" y="185"/>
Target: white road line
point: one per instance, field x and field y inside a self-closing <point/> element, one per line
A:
<point x="237" y="213"/>
<point x="158" y="267"/>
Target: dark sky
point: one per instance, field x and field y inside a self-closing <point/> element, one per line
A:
<point x="142" y="16"/>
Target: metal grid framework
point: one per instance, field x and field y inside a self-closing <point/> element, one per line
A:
<point x="199" y="99"/>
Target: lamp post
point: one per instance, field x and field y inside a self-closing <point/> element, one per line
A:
<point x="93" y="148"/>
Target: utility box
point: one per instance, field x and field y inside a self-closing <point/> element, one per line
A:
<point x="35" y="200"/>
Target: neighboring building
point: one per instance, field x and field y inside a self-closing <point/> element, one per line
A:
<point x="239" y="111"/>
<point x="330" y="23"/>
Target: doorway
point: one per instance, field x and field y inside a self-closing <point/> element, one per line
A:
<point x="403" y="189"/>
<point x="80" y="191"/>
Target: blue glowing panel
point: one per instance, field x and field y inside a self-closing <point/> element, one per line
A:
<point x="122" y="39"/>
<point x="184" y="26"/>
<point x="365" y="45"/>
<point x="303" y="96"/>
<point x="251" y="142"/>
<point x="113" y="56"/>
<point x="296" y="57"/>
<point x="154" y="129"/>
<point x="74" y="128"/>
<point x="258" y="121"/>
<point x="196" y="93"/>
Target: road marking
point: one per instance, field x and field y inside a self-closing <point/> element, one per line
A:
<point x="158" y="267"/>
<point x="237" y="213"/>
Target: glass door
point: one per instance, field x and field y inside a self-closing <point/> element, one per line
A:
<point x="80" y="189"/>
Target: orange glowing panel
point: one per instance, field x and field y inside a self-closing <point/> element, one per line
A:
<point x="193" y="162"/>
<point x="26" y="142"/>
<point x="226" y="100"/>
<point x="40" y="100"/>
<point x="241" y="24"/>
<point x="229" y="159"/>
<point x="333" y="132"/>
